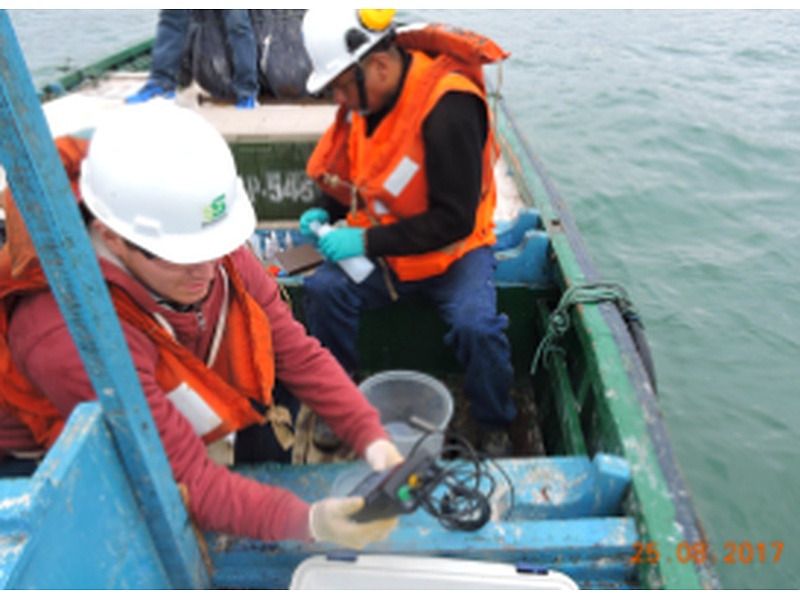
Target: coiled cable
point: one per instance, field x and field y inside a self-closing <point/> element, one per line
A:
<point x="457" y="492"/>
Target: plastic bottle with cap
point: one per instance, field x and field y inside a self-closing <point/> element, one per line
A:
<point x="357" y="268"/>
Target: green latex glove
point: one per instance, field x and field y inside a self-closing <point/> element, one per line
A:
<point x="318" y="215"/>
<point x="341" y="243"/>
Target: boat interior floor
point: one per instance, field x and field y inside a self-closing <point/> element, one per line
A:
<point x="525" y="432"/>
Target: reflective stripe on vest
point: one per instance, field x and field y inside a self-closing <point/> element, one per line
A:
<point x="192" y="406"/>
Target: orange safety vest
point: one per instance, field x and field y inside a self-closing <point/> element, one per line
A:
<point x="215" y="399"/>
<point x="20" y="274"/>
<point x="382" y="177"/>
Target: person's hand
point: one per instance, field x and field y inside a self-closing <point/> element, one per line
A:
<point x="382" y="454"/>
<point x="312" y="215"/>
<point x="341" y="243"/>
<point x="329" y="521"/>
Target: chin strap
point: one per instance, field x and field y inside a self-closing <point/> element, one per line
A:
<point x="362" y="90"/>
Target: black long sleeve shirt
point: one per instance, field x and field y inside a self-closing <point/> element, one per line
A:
<point x="454" y="134"/>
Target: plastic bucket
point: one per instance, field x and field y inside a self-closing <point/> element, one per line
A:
<point x="348" y="479"/>
<point x="410" y="403"/>
<point x="403" y="435"/>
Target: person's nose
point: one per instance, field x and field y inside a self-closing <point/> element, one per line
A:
<point x="203" y="270"/>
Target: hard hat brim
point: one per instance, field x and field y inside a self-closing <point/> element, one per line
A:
<point x="317" y="82"/>
<point x="218" y="238"/>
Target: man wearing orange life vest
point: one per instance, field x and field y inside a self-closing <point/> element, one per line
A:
<point x="409" y="163"/>
<point x="212" y="341"/>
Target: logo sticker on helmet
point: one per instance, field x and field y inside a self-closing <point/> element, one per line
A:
<point x="215" y="210"/>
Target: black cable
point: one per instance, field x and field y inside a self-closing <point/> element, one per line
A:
<point x="451" y="491"/>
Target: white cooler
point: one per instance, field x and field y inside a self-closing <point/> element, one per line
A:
<point x="390" y="572"/>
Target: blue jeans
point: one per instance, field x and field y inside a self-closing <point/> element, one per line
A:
<point x="168" y="47"/>
<point x="242" y="42"/>
<point x="172" y="37"/>
<point x="466" y="299"/>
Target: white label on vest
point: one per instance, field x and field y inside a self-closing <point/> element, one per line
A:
<point x="194" y="408"/>
<point x="398" y="180"/>
<point x="379" y="208"/>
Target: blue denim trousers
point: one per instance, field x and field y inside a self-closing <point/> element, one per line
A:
<point x="466" y="299"/>
<point x="168" y="46"/>
<point x="242" y="42"/>
<point x="171" y="39"/>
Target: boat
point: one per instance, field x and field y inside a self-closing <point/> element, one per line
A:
<point x="598" y="498"/>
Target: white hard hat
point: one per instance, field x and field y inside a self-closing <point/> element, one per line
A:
<point x="164" y="179"/>
<point x="337" y="38"/>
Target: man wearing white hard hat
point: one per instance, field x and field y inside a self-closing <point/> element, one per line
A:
<point x="210" y="336"/>
<point x="409" y="162"/>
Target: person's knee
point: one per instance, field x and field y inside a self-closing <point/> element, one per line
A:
<point x="478" y="322"/>
<point x="326" y="283"/>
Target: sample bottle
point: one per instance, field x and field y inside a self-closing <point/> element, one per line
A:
<point x="357" y="268"/>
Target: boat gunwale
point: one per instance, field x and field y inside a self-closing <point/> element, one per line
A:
<point x="578" y="267"/>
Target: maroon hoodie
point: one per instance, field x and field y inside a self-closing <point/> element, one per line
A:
<point x="220" y="500"/>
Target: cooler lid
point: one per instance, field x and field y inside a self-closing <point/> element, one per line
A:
<point x="395" y="572"/>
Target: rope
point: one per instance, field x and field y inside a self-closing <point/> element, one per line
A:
<point x="559" y="323"/>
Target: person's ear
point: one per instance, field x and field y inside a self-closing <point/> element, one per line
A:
<point x="113" y="241"/>
<point x="380" y="63"/>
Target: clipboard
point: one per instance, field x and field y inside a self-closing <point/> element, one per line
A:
<point x="299" y="259"/>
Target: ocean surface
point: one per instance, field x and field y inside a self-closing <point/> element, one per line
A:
<point x="674" y="137"/>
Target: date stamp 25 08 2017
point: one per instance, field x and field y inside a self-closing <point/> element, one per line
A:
<point x="700" y="552"/>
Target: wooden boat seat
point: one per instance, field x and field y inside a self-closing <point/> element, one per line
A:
<point x="587" y="550"/>
<point x="553" y="487"/>
<point x="567" y="513"/>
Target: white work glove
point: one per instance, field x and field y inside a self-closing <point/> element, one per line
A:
<point x="329" y="521"/>
<point x="382" y="454"/>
